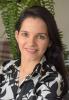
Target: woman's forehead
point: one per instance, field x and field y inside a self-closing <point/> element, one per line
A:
<point x="36" y="24"/>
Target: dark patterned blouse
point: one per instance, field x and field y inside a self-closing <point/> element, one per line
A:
<point x="45" y="83"/>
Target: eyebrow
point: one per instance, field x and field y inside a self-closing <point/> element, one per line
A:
<point x="37" y="33"/>
<point x="43" y="34"/>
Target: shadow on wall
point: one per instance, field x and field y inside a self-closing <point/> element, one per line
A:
<point x="4" y="51"/>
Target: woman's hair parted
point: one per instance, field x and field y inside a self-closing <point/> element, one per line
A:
<point x="54" y="53"/>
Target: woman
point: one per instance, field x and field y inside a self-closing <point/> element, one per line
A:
<point x="39" y="74"/>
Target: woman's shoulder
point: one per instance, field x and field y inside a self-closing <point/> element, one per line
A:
<point x="6" y="68"/>
<point x="52" y="75"/>
<point x="51" y="82"/>
<point x="8" y="62"/>
<point x="6" y="65"/>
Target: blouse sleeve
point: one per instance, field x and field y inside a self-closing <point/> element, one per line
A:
<point x="1" y="73"/>
<point x="49" y="88"/>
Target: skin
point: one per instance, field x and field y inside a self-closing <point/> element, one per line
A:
<point x="33" y="41"/>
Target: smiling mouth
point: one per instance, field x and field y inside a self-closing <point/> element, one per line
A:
<point x="30" y="50"/>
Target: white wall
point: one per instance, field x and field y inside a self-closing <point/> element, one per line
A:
<point x="62" y="18"/>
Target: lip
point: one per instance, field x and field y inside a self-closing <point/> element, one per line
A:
<point x="31" y="50"/>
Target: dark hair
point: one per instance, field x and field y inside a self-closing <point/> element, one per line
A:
<point x="54" y="54"/>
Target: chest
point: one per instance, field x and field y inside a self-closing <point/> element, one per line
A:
<point x="12" y="90"/>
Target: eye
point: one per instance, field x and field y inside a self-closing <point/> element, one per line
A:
<point x="24" y="34"/>
<point x="42" y="37"/>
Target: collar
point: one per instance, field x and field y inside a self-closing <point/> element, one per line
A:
<point x="41" y="67"/>
<point x="37" y="68"/>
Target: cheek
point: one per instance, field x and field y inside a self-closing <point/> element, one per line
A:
<point x="44" y="46"/>
<point x="21" y="40"/>
<point x="20" y="43"/>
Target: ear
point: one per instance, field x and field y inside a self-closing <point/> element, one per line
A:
<point x="16" y="35"/>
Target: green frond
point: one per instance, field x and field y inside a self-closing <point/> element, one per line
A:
<point x="11" y="9"/>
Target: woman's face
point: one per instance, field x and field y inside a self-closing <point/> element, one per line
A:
<point x="32" y="38"/>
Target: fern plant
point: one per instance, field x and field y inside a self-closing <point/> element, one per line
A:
<point x="10" y="12"/>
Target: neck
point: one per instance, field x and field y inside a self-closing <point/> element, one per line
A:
<point x="27" y="66"/>
<point x="29" y="62"/>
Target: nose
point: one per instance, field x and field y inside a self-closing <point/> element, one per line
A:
<point x="32" y="41"/>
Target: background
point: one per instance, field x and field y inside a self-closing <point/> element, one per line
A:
<point x="61" y="16"/>
<point x="62" y="19"/>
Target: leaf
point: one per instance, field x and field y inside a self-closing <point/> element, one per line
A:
<point x="11" y="10"/>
